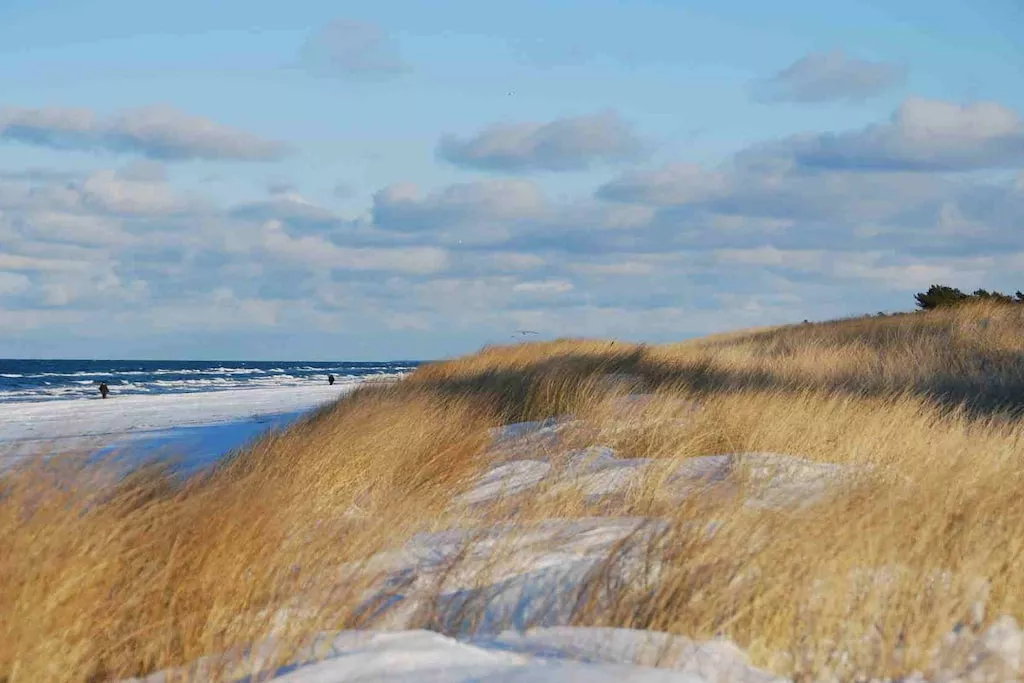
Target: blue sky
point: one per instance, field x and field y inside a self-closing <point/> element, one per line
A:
<point x="345" y="180"/>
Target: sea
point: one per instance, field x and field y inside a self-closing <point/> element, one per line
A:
<point x="62" y="380"/>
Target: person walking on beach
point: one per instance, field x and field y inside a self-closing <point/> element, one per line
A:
<point x="330" y="379"/>
<point x="104" y="389"/>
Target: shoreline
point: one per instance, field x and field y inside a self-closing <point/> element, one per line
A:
<point x="200" y="426"/>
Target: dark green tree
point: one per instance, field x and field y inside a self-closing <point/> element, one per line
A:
<point x="997" y="297"/>
<point x="939" y="296"/>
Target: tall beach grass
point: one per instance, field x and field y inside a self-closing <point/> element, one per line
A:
<point x="103" y="578"/>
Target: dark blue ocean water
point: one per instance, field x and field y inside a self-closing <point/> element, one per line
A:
<point x="54" y="380"/>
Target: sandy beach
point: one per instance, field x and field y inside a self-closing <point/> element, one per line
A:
<point x="199" y="425"/>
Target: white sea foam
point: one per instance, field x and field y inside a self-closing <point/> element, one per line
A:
<point x="193" y="381"/>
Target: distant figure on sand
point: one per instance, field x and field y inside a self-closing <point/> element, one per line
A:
<point x="104" y="389"/>
<point x="330" y="379"/>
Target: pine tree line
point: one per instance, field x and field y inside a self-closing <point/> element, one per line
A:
<point x="940" y="296"/>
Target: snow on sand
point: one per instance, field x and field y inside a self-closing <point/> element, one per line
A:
<point x="475" y="582"/>
<point x="48" y="426"/>
<point x="774" y="479"/>
<point x="573" y="655"/>
<point x="534" y="591"/>
<point x="546" y="655"/>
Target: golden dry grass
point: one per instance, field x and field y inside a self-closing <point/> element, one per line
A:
<point x="151" y="573"/>
<point x="100" y="581"/>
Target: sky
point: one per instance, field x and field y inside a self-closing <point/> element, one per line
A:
<point x="404" y="180"/>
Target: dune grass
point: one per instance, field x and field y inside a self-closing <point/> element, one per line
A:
<point x="103" y="579"/>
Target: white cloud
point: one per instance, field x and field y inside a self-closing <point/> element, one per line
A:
<point x="317" y="252"/>
<point x="512" y="215"/>
<point x="104" y="192"/>
<point x="452" y="294"/>
<point x="779" y="193"/>
<point x="830" y="76"/>
<point x="97" y="288"/>
<point x="671" y="184"/>
<point x="476" y="213"/>
<point x="30" y="264"/>
<point x="292" y="209"/>
<point x="922" y="135"/>
<point x="770" y="256"/>
<point x="63" y="226"/>
<point x="543" y="287"/>
<point x="58" y="295"/>
<point x="569" y="144"/>
<point x="506" y="261"/>
<point x="625" y="268"/>
<point x="111" y="193"/>
<point x="863" y="184"/>
<point x="216" y="311"/>
<point x="157" y="132"/>
<point x="402" y="207"/>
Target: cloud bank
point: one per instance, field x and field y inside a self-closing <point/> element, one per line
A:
<point x="783" y="230"/>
